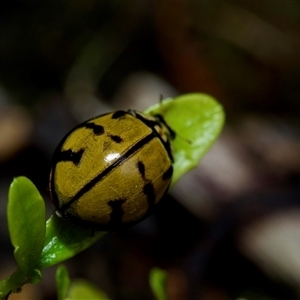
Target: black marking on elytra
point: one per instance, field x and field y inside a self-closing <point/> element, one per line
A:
<point x="149" y="191"/>
<point x="152" y="123"/>
<point x="106" y="171"/>
<point x="70" y="155"/>
<point x="148" y="122"/>
<point x="116" y="138"/>
<point x="117" y="211"/>
<point x="161" y="120"/>
<point x="118" y="114"/>
<point x="168" y="174"/>
<point x="97" y="129"/>
<point x="169" y="150"/>
<point x="141" y="168"/>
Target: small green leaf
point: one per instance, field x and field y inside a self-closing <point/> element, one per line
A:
<point x="197" y="120"/>
<point x="64" y="240"/>
<point x="158" y="280"/>
<point x="81" y="289"/>
<point x="62" y="282"/>
<point x="78" y="289"/>
<point x="26" y="223"/>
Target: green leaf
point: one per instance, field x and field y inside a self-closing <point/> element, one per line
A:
<point x="81" y="289"/>
<point x="78" y="289"/>
<point x="26" y="223"/>
<point x="62" y="282"/>
<point x="157" y="281"/>
<point x="64" y="240"/>
<point x="197" y="120"/>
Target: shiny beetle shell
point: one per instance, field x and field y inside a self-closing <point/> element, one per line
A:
<point x="110" y="171"/>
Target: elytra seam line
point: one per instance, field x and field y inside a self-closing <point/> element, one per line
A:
<point x="120" y="160"/>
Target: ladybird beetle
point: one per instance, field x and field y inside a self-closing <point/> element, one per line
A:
<point x="111" y="170"/>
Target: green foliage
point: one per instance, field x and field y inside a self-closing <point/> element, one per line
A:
<point x="197" y="120"/>
<point x="81" y="289"/>
<point x="62" y="282"/>
<point x="64" y="240"/>
<point x="157" y="280"/>
<point x="78" y="289"/>
<point x="26" y="222"/>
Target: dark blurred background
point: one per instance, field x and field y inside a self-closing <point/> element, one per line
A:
<point x="230" y="229"/>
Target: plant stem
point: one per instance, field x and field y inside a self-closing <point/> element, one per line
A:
<point x="12" y="284"/>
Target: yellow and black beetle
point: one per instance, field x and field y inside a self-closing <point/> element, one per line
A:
<point x="111" y="170"/>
